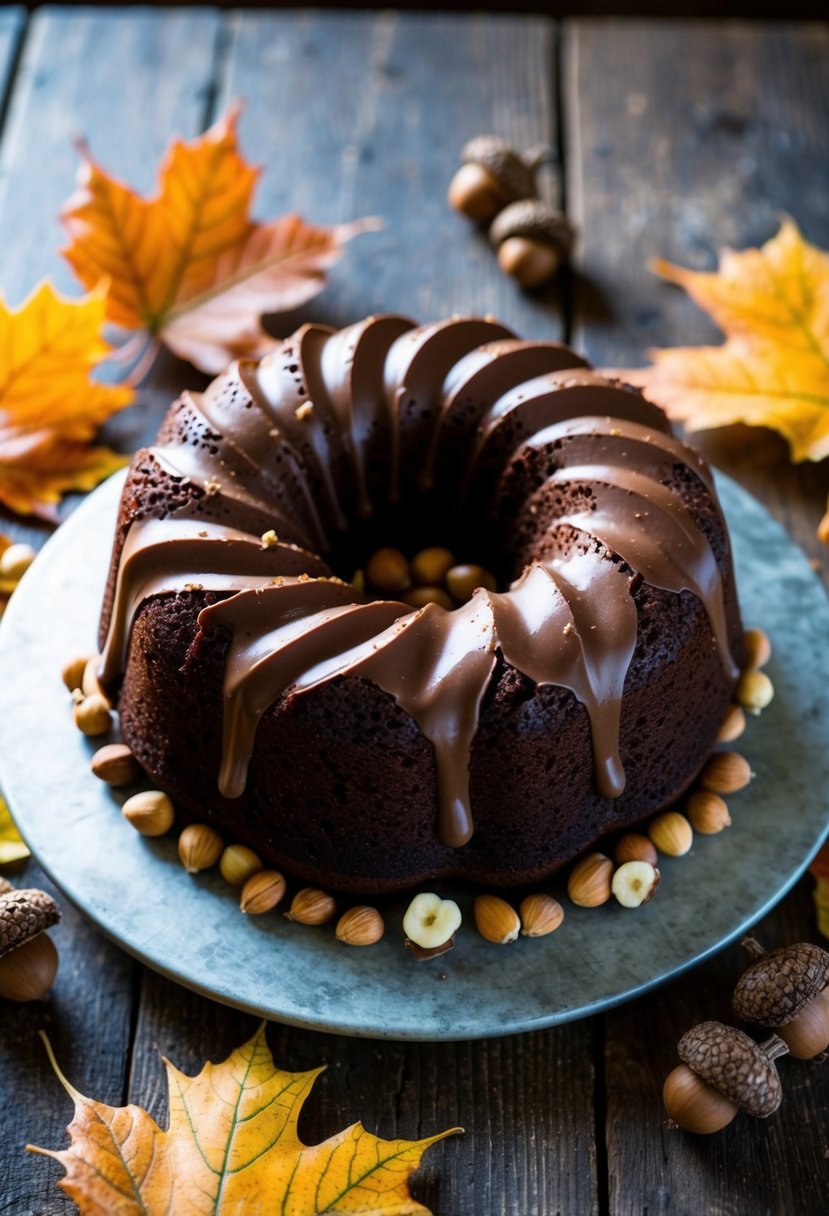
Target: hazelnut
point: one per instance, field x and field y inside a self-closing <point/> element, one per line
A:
<point x="633" y="846"/>
<point x="634" y="883"/>
<point x="431" y="922"/>
<point x="708" y="812"/>
<point x="387" y="570"/>
<point x="312" y="907"/>
<point x="92" y="715"/>
<point x="496" y="920"/>
<point x="671" y="833"/>
<point x="151" y="812"/>
<point x="72" y="671"/>
<point x="725" y="773"/>
<point x="237" y="863"/>
<point x="360" y="926"/>
<point x="430" y="566"/>
<point x="115" y="765"/>
<point x="262" y="892"/>
<point x="199" y="847"/>
<point x="463" y="580"/>
<point x="757" y="648"/>
<point x="540" y="915"/>
<point x="754" y="691"/>
<point x="589" y="883"/>
<point x="732" y="725"/>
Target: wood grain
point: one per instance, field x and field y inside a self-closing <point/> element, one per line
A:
<point x="682" y="138"/>
<point x="771" y="1167"/>
<point x="525" y="1101"/>
<point x="126" y="80"/>
<point x="366" y="115"/>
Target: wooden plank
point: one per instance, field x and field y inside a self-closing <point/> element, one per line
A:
<point x="683" y="138"/>
<point x="12" y="25"/>
<point x="363" y="115"/>
<point x="525" y="1101"/>
<point x="127" y="80"/>
<point x="366" y="115"/>
<point x="771" y="1167"/>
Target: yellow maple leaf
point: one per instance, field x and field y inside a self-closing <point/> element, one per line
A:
<point x="49" y="406"/>
<point x="12" y="848"/>
<point x="189" y="266"/>
<point x="231" y="1147"/>
<point x="773" y="370"/>
<point x="779" y="293"/>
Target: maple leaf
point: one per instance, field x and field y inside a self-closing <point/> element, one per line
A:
<point x="773" y="369"/>
<point x="189" y="266"/>
<point x="820" y="869"/>
<point x="12" y="848"/>
<point x="231" y="1147"/>
<point x="49" y="406"/>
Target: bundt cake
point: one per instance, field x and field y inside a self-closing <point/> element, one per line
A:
<point x="366" y="745"/>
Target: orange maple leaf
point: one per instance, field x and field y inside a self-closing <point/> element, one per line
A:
<point x="773" y="369"/>
<point x="49" y="406"/>
<point x="189" y="266"/>
<point x="232" y="1147"/>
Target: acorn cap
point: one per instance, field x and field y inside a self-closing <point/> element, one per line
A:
<point x="780" y="984"/>
<point x="535" y="220"/>
<point x="735" y="1065"/>
<point x="23" y="916"/>
<point x="514" y="177"/>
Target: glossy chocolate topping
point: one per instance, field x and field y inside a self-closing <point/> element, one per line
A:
<point x="333" y="427"/>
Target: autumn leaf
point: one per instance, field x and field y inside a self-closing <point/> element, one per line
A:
<point x="231" y="1147"/>
<point x="820" y="869"/>
<point x="189" y="266"/>
<point x="773" y="369"/>
<point x="12" y="848"/>
<point x="50" y="408"/>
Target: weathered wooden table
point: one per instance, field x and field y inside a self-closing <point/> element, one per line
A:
<point x="674" y="139"/>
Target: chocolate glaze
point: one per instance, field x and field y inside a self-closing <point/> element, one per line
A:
<point x="299" y="433"/>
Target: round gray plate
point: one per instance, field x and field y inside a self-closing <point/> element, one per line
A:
<point x="190" y="929"/>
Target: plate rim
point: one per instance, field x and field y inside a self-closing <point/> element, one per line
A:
<point x="357" y="1028"/>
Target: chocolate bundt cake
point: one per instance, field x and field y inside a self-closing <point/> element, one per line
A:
<point x="366" y="745"/>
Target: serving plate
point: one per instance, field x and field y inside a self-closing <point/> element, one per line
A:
<point x="189" y="929"/>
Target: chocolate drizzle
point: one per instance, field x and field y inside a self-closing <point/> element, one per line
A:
<point x="301" y="436"/>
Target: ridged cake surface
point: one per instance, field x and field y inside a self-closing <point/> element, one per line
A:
<point x="362" y="743"/>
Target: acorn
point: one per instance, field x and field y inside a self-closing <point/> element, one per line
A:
<point x="28" y="958"/>
<point x="492" y="174"/>
<point x="722" y="1072"/>
<point x="532" y="240"/>
<point x="787" y="990"/>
